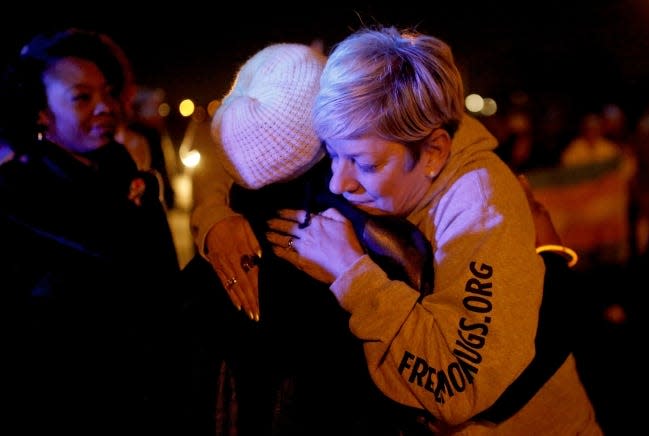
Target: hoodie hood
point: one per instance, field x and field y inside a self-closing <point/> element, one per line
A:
<point x="471" y="143"/>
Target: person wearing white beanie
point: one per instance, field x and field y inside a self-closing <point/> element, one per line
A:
<point x="264" y="154"/>
<point x="262" y="134"/>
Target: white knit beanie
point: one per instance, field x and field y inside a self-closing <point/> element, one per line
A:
<point x="263" y="128"/>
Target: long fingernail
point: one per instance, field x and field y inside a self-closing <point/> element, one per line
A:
<point x="259" y="253"/>
<point x="257" y="317"/>
<point x="251" y="316"/>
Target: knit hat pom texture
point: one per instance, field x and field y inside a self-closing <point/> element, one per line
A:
<point x="263" y="127"/>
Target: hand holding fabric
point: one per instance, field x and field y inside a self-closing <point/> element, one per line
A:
<point x="324" y="249"/>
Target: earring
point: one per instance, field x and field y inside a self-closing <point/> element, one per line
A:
<point x="39" y="136"/>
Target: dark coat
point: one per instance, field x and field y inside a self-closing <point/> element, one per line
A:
<point x="299" y="370"/>
<point x="87" y="263"/>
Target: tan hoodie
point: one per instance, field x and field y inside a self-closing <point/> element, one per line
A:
<point x="454" y="353"/>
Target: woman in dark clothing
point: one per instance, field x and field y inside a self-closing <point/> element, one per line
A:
<point x="87" y="253"/>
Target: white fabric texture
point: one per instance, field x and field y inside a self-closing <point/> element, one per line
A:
<point x="263" y="126"/>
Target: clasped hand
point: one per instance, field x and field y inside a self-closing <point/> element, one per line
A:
<point x="324" y="249"/>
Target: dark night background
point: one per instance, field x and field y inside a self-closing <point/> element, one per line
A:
<point x="587" y="51"/>
<point x="582" y="53"/>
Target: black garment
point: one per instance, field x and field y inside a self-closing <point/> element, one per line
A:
<point x="301" y="349"/>
<point x="87" y="278"/>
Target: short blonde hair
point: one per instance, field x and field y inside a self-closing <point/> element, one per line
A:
<point x="398" y="85"/>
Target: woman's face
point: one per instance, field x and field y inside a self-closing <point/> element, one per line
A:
<point x="377" y="176"/>
<point x="82" y="109"/>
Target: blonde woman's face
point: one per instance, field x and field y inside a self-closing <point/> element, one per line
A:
<point x="82" y="109"/>
<point x="377" y="176"/>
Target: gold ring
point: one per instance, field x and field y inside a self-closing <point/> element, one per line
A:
<point x="231" y="282"/>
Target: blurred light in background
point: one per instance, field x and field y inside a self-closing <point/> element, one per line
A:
<point x="190" y="158"/>
<point x="476" y="104"/>
<point x="489" y="107"/>
<point x="212" y="107"/>
<point x="164" y="110"/>
<point x="186" y="107"/>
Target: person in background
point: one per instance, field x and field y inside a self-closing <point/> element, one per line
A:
<point x="590" y="145"/>
<point x="517" y="147"/>
<point x="136" y="144"/>
<point x="615" y="125"/>
<point x="390" y="112"/>
<point x="87" y="260"/>
<point x="151" y="125"/>
<point x="142" y="128"/>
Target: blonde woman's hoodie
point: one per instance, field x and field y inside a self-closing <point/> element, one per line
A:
<point x="456" y="351"/>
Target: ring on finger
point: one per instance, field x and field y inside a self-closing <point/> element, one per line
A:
<point x="249" y="261"/>
<point x="291" y="244"/>
<point x="231" y="282"/>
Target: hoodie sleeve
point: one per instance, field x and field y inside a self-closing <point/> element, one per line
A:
<point x="454" y="353"/>
<point x="211" y="186"/>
